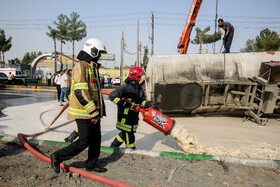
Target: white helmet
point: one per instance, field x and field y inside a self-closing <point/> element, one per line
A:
<point x="93" y="47"/>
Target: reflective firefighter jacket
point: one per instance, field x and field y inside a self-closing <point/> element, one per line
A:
<point x="85" y="96"/>
<point x="127" y="118"/>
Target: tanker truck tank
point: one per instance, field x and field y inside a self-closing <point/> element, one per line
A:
<point x="215" y="82"/>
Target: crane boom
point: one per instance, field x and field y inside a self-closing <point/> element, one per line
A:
<point x="185" y="38"/>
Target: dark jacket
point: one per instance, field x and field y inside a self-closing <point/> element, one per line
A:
<point x="127" y="118"/>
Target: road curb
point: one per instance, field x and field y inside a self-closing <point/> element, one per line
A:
<point x="273" y="164"/>
<point x="32" y="87"/>
<point x="265" y="163"/>
<point x="37" y="87"/>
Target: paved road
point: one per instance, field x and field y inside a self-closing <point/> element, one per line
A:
<point x="17" y="97"/>
<point x="220" y="135"/>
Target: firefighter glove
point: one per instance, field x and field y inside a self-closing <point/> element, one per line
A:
<point x="151" y="104"/>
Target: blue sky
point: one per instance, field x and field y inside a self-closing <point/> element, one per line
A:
<point x="26" y="21"/>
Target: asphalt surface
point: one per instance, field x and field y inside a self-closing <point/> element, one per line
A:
<point x="22" y="111"/>
<point x="18" y="97"/>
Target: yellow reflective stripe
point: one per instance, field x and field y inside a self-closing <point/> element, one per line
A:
<point x="90" y="71"/>
<point x="123" y="126"/>
<point x="119" y="139"/>
<point x="90" y="104"/>
<point x="126" y="110"/>
<point x="78" y="112"/>
<point x="143" y="103"/>
<point x="123" y="121"/>
<point x="81" y="86"/>
<point x="127" y="138"/>
<point x="116" y="100"/>
<point x="126" y="127"/>
<point x="76" y="129"/>
<point x="135" y="127"/>
<point x="130" y="145"/>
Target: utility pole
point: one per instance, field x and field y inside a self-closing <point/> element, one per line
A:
<point x="121" y="68"/>
<point x="137" y="47"/>
<point x="152" y="51"/>
<point x="200" y="42"/>
<point x="140" y="55"/>
<point x="216" y="17"/>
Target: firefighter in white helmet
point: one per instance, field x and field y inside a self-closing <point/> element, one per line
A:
<point x="131" y="92"/>
<point x="86" y="107"/>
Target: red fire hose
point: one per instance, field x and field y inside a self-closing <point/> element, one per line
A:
<point x="153" y="117"/>
<point x="62" y="110"/>
<point x="22" y="138"/>
<point x="89" y="175"/>
<point x="65" y="106"/>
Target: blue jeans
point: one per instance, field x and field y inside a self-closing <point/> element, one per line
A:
<point x="63" y="93"/>
<point x="110" y="85"/>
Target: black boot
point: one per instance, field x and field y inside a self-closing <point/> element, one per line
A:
<point x="116" y="143"/>
<point x="55" y="163"/>
<point x="71" y="137"/>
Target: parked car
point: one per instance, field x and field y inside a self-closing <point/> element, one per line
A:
<point x="15" y="81"/>
<point x="116" y="81"/>
<point x="3" y="78"/>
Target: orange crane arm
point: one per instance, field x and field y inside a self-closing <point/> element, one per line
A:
<point x="185" y="38"/>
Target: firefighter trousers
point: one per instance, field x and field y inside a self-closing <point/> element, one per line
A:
<point x="89" y="136"/>
<point x="127" y="137"/>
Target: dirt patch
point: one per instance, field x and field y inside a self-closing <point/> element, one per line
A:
<point x="18" y="167"/>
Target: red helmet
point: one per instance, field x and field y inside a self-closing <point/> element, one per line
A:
<point x="135" y="72"/>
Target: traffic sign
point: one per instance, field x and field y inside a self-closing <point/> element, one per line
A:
<point x="107" y="57"/>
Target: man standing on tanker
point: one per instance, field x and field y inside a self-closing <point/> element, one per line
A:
<point x="229" y="31"/>
<point x="86" y="107"/>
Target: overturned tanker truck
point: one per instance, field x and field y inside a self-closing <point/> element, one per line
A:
<point x="199" y="83"/>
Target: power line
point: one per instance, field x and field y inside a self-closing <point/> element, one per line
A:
<point x="127" y="52"/>
<point x="126" y="20"/>
<point x="212" y="15"/>
<point x="147" y="13"/>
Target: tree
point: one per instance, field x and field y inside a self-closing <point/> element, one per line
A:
<point x="145" y="56"/>
<point x="77" y="31"/>
<point x="53" y="34"/>
<point x="17" y="61"/>
<point x="29" y="57"/>
<point x="2" y="39"/>
<point x="202" y="38"/>
<point x="266" y="41"/>
<point x="5" y="44"/>
<point x="62" y="25"/>
<point x="250" y="46"/>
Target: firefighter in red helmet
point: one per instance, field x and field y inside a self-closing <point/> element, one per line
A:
<point x="131" y="92"/>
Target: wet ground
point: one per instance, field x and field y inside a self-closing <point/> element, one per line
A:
<point x="17" y="97"/>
